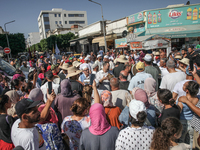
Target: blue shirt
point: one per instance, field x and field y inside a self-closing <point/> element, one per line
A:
<point x="101" y="52"/>
<point x="138" y="80"/>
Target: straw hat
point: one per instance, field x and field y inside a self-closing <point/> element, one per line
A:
<point x="185" y="61"/>
<point x="64" y="66"/>
<point x="178" y="57"/>
<point x="157" y="53"/>
<point x="140" y="66"/>
<point x="72" y="71"/>
<point x="76" y="64"/>
<point x="122" y="59"/>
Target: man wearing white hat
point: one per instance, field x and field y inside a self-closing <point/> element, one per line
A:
<point x="99" y="62"/>
<point x="112" y="65"/>
<point x="85" y="77"/>
<point x="122" y="60"/>
<point x="150" y="69"/>
<point x="86" y="61"/>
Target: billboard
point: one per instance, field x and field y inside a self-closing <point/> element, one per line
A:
<point x="170" y="17"/>
<point x="121" y="43"/>
<point x="135" y="18"/>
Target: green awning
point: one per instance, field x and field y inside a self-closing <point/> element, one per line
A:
<point x="176" y="32"/>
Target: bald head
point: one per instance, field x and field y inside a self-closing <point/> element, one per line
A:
<point x="123" y="75"/>
<point x="114" y="82"/>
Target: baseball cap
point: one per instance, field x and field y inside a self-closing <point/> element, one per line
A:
<point x="24" y="105"/>
<point x="135" y="107"/>
<point x="140" y="66"/>
<point x="41" y="57"/>
<point x="147" y="58"/>
<point x="70" y="58"/>
<point x="86" y="58"/>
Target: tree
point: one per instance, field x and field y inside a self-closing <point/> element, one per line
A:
<point x="16" y="41"/>
<point x="43" y="45"/>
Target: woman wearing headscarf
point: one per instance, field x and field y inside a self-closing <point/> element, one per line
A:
<point x="48" y="121"/>
<point x="64" y="100"/>
<point x="100" y="135"/>
<point x="136" y="136"/>
<point x="150" y="88"/>
<point x="14" y="97"/>
<point x="139" y="94"/>
<point x="112" y="112"/>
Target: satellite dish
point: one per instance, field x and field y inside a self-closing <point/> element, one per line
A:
<point x="124" y="33"/>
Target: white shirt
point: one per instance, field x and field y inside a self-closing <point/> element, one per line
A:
<point x="28" y="138"/>
<point x="112" y="66"/>
<point x="170" y="80"/>
<point x="164" y="71"/>
<point x="105" y="85"/>
<point x="135" y="138"/>
<point x="100" y="64"/>
<point x="44" y="88"/>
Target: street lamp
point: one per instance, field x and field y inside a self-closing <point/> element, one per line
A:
<point x="7" y="34"/>
<point x="103" y="24"/>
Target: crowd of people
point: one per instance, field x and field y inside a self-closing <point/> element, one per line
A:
<point x="142" y="100"/>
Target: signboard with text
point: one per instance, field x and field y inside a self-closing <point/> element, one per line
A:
<point x="121" y="43"/>
<point x="170" y="17"/>
<point x="138" y="28"/>
<point x="136" y="45"/>
<point x="135" y="18"/>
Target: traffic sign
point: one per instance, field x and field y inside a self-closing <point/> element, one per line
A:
<point x="7" y="50"/>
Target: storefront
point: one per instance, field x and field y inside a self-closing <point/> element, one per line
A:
<point x="181" y="24"/>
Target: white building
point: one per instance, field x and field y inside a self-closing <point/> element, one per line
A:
<point x="59" y="18"/>
<point x="33" y="38"/>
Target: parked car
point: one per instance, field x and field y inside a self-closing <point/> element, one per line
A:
<point x="6" y="68"/>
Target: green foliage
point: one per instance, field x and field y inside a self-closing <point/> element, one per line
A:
<point x="62" y="41"/>
<point x="16" y="41"/>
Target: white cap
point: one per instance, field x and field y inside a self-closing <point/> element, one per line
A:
<point x="98" y="56"/>
<point x="111" y="58"/>
<point x="87" y="58"/>
<point x="135" y="107"/>
<point x="84" y="67"/>
<point x="94" y="65"/>
<point x="127" y="57"/>
<point x="147" y="58"/>
<point x="106" y="56"/>
<point x="81" y="58"/>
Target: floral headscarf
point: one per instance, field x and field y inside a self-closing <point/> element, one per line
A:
<point x="106" y="98"/>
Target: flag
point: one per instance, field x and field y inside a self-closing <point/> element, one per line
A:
<point x="53" y="51"/>
<point x="57" y="50"/>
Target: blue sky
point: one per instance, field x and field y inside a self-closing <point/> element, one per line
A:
<point x="26" y="12"/>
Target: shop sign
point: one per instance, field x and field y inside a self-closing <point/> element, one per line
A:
<point x="160" y="44"/>
<point x="130" y="37"/>
<point x="169" y="17"/>
<point x="121" y="43"/>
<point x="135" y="18"/>
<point x="175" y="29"/>
<point x="136" y="45"/>
<point x="138" y="28"/>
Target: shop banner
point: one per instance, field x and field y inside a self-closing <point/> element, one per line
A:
<point x="178" y="16"/>
<point x="136" y="45"/>
<point x="121" y="43"/>
<point x="137" y="28"/>
<point x="135" y="18"/>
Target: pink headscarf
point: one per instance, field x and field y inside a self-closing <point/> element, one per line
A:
<point x="106" y="98"/>
<point x="16" y="76"/>
<point x="141" y="95"/>
<point x="99" y="124"/>
<point x="150" y="86"/>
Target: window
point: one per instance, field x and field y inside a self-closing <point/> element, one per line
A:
<point x="56" y="22"/>
<point x="46" y="30"/>
<point x="76" y="22"/>
<point x="58" y="15"/>
<point x="55" y="15"/>
<point x="45" y="15"/>
<point x="60" y="22"/>
<point x="46" y="22"/>
<point x="65" y="15"/>
<point x="75" y="15"/>
<point x="65" y="22"/>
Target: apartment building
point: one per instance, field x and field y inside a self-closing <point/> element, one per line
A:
<point x="59" y="18"/>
